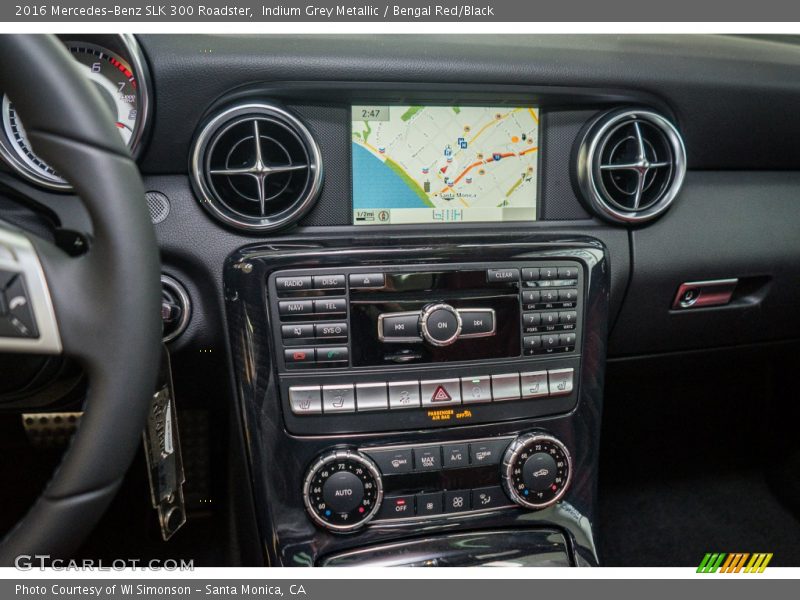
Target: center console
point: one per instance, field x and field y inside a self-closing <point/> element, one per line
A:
<point x="393" y="388"/>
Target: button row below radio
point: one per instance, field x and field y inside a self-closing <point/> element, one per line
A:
<point x="396" y="395"/>
<point x="548" y="296"/>
<point x="549" y="273"/>
<point x="547" y="319"/>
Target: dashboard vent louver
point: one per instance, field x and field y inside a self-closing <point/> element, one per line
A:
<point x="631" y="165"/>
<point x="256" y="167"/>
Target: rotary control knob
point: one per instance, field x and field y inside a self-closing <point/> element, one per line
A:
<point x="537" y="470"/>
<point x="440" y="324"/>
<point x="343" y="490"/>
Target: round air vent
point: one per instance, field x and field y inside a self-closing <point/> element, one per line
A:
<point x="256" y="167"/>
<point x="631" y="165"/>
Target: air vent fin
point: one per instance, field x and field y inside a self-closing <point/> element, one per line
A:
<point x="631" y="165"/>
<point x="256" y="167"/>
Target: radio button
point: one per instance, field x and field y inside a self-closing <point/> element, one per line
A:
<point x="301" y="330"/>
<point x="333" y="305"/>
<point x="338" y="398"/>
<point x="298" y="356"/>
<point x="505" y="387"/>
<point x="532" y="342"/>
<point x="567" y="272"/>
<point x="305" y="399"/>
<point x="476" y="322"/>
<point x="561" y="381"/>
<point x="441" y="392"/>
<point x="291" y="284"/>
<point x="403" y="326"/>
<point x="330" y="330"/>
<point x="569" y="295"/>
<point x="531" y="296"/>
<point x="550" y="341"/>
<point x="455" y="456"/>
<point x="428" y="459"/>
<point x="488" y="452"/>
<point x="530" y="274"/>
<point x="371" y="396"/>
<point x="330" y="354"/>
<point x="502" y="275"/>
<point x="550" y="318"/>
<point x="289" y="308"/>
<point x="548" y="273"/>
<point x="549" y="296"/>
<point x="329" y="282"/>
<point x="476" y="389"/>
<point x="566" y="340"/>
<point x="392" y="462"/>
<point x="534" y="385"/>
<point x="567" y="317"/>
<point x="404" y="394"/>
<point x="364" y="281"/>
<point x="440" y="324"/>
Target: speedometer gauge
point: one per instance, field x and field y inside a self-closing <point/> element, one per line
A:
<point x="121" y="83"/>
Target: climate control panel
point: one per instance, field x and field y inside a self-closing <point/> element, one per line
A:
<point x="346" y="489"/>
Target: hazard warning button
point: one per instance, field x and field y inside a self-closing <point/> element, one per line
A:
<point x="440" y="392"/>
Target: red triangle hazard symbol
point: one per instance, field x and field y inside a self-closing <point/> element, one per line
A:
<point x="440" y="395"/>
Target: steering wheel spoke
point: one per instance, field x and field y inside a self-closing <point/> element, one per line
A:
<point x="27" y="317"/>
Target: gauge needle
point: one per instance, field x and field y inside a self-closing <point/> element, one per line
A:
<point x="121" y="125"/>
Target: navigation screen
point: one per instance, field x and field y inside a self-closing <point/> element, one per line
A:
<point x="444" y="164"/>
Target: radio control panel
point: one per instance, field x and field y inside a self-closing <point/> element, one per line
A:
<point x="415" y="346"/>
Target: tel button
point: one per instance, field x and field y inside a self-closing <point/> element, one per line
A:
<point x="343" y="492"/>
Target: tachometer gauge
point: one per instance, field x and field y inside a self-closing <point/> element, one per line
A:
<point x="121" y="84"/>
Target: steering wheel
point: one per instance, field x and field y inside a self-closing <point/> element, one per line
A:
<point x="102" y="308"/>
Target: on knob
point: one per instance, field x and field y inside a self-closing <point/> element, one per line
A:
<point x="343" y="490"/>
<point x="440" y="324"/>
<point x="537" y="470"/>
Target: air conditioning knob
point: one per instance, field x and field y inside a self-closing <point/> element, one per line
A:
<point x="536" y="470"/>
<point x="343" y="490"/>
<point x="440" y="324"/>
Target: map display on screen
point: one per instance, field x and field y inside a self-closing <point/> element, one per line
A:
<point x="444" y="164"/>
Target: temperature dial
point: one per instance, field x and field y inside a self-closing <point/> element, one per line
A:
<point x="343" y="490"/>
<point x="537" y="470"/>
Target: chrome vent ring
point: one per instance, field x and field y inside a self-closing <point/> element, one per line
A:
<point x="256" y="167"/>
<point x="631" y="165"/>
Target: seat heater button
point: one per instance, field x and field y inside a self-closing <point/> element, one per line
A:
<point x="534" y="385"/>
<point x="440" y="392"/>
<point x="305" y="399"/>
<point x="505" y="387"/>
<point x="561" y="381"/>
<point x="404" y="394"/>
<point x="338" y="398"/>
